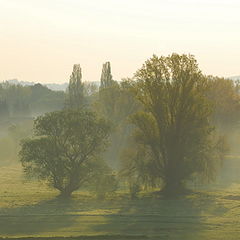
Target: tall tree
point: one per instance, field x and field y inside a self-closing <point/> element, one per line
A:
<point x="116" y="103"/>
<point x="106" y="76"/>
<point x="75" y="95"/>
<point x="174" y="135"/>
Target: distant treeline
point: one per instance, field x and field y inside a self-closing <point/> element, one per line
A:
<point x="25" y="101"/>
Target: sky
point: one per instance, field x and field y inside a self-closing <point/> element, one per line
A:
<point x="40" y="40"/>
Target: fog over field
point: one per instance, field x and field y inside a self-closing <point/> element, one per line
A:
<point x="119" y="120"/>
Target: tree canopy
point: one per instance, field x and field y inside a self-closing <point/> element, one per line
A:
<point x="75" y="94"/>
<point x="106" y="76"/>
<point x="174" y="137"/>
<point x="64" y="148"/>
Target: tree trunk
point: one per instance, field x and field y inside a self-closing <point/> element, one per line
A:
<point x="66" y="193"/>
<point x="173" y="188"/>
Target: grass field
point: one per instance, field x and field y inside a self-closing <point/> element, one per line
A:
<point x="33" y="210"/>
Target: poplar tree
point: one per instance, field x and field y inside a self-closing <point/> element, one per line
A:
<point x="106" y="76"/>
<point x="75" y="95"/>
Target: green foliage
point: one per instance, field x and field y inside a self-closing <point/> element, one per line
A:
<point x="104" y="182"/>
<point x="45" y="100"/>
<point x="24" y="101"/>
<point x="17" y="98"/>
<point x="75" y="94"/>
<point x="106" y="76"/>
<point x="224" y="95"/>
<point x="64" y="148"/>
<point x="138" y="168"/>
<point x="173" y="131"/>
<point x="116" y="102"/>
<point x="89" y="89"/>
<point x="108" y="98"/>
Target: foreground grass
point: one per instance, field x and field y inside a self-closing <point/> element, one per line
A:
<point x="30" y="209"/>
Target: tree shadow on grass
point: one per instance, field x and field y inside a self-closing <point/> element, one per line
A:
<point x="46" y="216"/>
<point x="56" y="217"/>
<point x="150" y="216"/>
<point x="162" y="218"/>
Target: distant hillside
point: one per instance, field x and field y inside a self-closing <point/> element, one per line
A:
<point x="52" y="86"/>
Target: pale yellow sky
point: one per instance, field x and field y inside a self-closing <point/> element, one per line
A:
<point x="40" y="40"/>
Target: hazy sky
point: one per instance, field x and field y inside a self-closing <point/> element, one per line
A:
<point x="40" y="40"/>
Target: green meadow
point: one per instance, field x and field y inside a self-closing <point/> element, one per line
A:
<point x="31" y="209"/>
